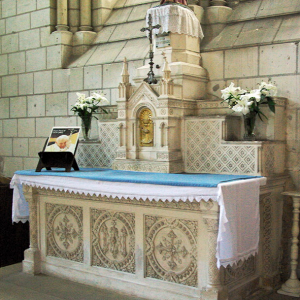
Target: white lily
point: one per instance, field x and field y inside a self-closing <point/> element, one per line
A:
<point x="254" y="94"/>
<point x="232" y="91"/>
<point x="268" y="89"/>
<point x="243" y="105"/>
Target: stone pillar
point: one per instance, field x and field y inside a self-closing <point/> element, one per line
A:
<point x="74" y="15"/>
<point x="62" y="15"/>
<point x="214" y="289"/>
<point x="32" y="256"/>
<point x="85" y="15"/>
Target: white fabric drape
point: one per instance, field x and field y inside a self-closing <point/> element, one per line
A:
<point x="239" y="205"/>
<point x="239" y="220"/>
<point x="176" y="19"/>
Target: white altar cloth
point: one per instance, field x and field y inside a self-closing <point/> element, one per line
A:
<point x="239" y="220"/>
<point x="176" y="19"/>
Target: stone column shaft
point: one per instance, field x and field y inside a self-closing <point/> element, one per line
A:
<point x="62" y="15"/>
<point x="85" y="15"/>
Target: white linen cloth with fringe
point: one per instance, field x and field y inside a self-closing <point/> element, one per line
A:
<point x="176" y="19"/>
<point x="239" y="220"/>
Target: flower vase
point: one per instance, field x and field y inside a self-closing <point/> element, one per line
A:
<point x="249" y="126"/>
<point x="86" y="125"/>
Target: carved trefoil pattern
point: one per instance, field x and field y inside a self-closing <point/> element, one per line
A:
<point x="113" y="240"/>
<point x="206" y="154"/>
<point x="171" y="250"/>
<point x="64" y="231"/>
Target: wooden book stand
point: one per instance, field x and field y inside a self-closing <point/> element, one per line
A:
<point x="50" y="160"/>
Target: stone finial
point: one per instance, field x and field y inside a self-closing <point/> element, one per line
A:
<point x="125" y="74"/>
<point x="166" y="83"/>
<point x="124" y="86"/>
<point x="166" y="68"/>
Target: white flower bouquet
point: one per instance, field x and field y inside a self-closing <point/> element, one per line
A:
<point x="240" y="100"/>
<point x="86" y="106"/>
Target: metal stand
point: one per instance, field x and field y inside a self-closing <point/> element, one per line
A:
<point x="150" y="79"/>
<point x="292" y="286"/>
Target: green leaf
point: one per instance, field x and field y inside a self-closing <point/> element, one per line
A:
<point x="271" y="104"/>
<point x="260" y="113"/>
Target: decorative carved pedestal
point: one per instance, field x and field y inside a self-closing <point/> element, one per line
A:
<point x="292" y="286"/>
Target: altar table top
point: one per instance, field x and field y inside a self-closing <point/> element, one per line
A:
<point x="197" y="180"/>
<point x="237" y="196"/>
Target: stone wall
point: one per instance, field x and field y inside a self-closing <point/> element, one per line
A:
<point x="40" y="75"/>
<point x="40" y="72"/>
<point x="260" y="42"/>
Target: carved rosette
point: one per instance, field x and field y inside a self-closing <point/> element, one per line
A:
<point x="171" y="250"/>
<point x="113" y="240"/>
<point x="64" y="231"/>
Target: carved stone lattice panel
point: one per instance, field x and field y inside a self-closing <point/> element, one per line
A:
<point x="269" y="159"/>
<point x="240" y="271"/>
<point x="113" y="240"/>
<point x="171" y="249"/>
<point x="100" y="154"/>
<point x="206" y="154"/>
<point x="266" y="207"/>
<point x="64" y="231"/>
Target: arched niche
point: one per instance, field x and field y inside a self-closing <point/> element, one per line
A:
<point x="146" y="127"/>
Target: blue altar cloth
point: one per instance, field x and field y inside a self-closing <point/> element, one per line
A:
<point x="196" y="180"/>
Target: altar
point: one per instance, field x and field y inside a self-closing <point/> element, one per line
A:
<point x="185" y="209"/>
<point x="165" y="235"/>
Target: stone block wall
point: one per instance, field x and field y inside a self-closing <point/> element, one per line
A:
<point x="253" y="48"/>
<point x="39" y="83"/>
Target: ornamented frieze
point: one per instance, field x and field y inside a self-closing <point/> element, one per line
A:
<point x="113" y="240"/>
<point x="171" y="249"/>
<point x="64" y="231"/>
<point x="201" y="206"/>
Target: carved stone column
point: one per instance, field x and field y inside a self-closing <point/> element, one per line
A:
<point x="32" y="257"/>
<point x="214" y="289"/>
<point x="292" y="286"/>
<point x="85" y="15"/>
<point x="62" y="15"/>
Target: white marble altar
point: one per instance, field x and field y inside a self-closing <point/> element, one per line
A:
<point x="110" y="241"/>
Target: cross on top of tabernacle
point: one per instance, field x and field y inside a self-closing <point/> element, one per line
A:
<point x="150" y="79"/>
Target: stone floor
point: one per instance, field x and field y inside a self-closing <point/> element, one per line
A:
<point x="15" y="285"/>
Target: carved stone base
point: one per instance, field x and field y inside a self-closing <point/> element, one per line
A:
<point x="290" y="288"/>
<point x="32" y="261"/>
<point x="148" y="166"/>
